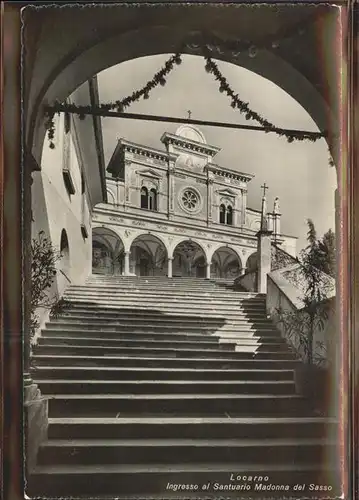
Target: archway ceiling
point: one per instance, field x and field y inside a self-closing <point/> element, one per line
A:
<point x="106" y="235"/>
<point x="66" y="57"/>
<point x="149" y="243"/>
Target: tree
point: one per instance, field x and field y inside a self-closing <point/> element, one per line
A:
<point x="327" y="246"/>
<point x="310" y="276"/>
<point x="322" y="250"/>
<point x="43" y="272"/>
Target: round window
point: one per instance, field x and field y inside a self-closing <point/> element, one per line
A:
<point x="190" y="200"/>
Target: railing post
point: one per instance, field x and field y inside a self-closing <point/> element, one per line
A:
<point x="264" y="246"/>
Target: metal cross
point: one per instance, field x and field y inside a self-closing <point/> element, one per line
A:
<point x="189" y="114"/>
<point x="264" y="187"/>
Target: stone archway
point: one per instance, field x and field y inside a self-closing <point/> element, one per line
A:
<point x="189" y="260"/>
<point x="252" y="262"/>
<point x="148" y="256"/>
<point x="123" y="34"/>
<point x="107" y="252"/>
<point x="104" y="37"/>
<point x="226" y="263"/>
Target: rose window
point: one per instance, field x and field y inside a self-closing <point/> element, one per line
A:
<point x="190" y="200"/>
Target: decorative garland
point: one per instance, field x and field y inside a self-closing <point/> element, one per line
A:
<point x="119" y="105"/>
<point x="159" y="79"/>
<point x="211" y="67"/>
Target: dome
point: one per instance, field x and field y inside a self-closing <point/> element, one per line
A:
<point x="191" y="133"/>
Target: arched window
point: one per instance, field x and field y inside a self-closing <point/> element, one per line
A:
<point x="64" y="242"/>
<point x="222" y="214"/>
<point x="153" y="199"/>
<point x="229" y="215"/>
<point x="144" y="197"/>
<point x="64" y="264"/>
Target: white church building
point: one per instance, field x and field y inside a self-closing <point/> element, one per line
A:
<point x="175" y="212"/>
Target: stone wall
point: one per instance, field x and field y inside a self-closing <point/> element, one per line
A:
<point x="54" y="210"/>
<point x="248" y="281"/>
<point x="285" y="307"/>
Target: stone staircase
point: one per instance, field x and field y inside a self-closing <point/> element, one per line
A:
<point x="156" y="382"/>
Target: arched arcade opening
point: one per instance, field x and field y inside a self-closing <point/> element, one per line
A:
<point x="189" y="260"/>
<point x="226" y="264"/>
<point x="107" y="252"/>
<point x="148" y="256"/>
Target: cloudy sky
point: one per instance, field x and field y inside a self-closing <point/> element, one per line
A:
<point x="298" y="172"/>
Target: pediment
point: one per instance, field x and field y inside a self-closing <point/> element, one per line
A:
<point x="149" y="173"/>
<point x="226" y="192"/>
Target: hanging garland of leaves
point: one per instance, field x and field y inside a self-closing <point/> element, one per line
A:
<point x="159" y="79"/>
<point x="119" y="105"/>
<point x="237" y="103"/>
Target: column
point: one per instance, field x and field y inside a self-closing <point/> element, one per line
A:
<point x="169" y="267"/>
<point x="208" y="270"/>
<point x="127" y="182"/>
<point x="264" y="258"/>
<point x="27" y="210"/>
<point x="127" y="263"/>
<point x="170" y="188"/>
<point x="244" y="206"/>
<point x="209" y="197"/>
<point x="117" y="193"/>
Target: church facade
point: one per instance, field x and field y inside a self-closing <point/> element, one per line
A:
<point x="176" y="212"/>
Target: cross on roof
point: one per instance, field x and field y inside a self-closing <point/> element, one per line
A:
<point x="264" y="187"/>
<point x="189" y="114"/>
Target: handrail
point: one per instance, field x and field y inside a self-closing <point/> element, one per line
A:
<point x="64" y="274"/>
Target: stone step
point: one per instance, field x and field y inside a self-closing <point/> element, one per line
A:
<point x="127" y="332"/>
<point x="144" y="481"/>
<point x="154" y="292"/>
<point x="191" y="428"/>
<point x="157" y="293"/>
<point x="157" y="310"/>
<point x="165" y="320"/>
<point x="112" y="302"/>
<point x="163" y="362"/>
<point x="175" y="330"/>
<point x="162" y="333"/>
<point x="156" y="307"/>
<point x="91" y="350"/>
<point x="205" y="344"/>
<point x="174" y="282"/>
<point x="179" y="292"/>
<point x="112" y="405"/>
<point x="149" y="451"/>
<point x="51" y="386"/>
<point x="131" y="303"/>
<point x="136" y="373"/>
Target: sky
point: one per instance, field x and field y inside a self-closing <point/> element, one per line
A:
<point x="298" y="173"/>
